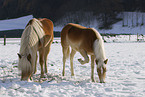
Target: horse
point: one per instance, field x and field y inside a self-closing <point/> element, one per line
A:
<point x="86" y="41"/>
<point x="37" y="36"/>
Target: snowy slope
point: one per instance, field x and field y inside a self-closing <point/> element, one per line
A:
<point x="118" y="29"/>
<point x="18" y="23"/>
<point x="130" y="21"/>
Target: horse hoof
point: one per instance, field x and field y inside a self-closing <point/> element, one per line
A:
<point x="42" y="76"/>
<point x="81" y="61"/>
<point x="102" y="82"/>
<point x="93" y="80"/>
<point x="62" y="74"/>
<point x="34" y="72"/>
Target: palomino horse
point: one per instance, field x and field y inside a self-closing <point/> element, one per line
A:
<point x="86" y="41"/>
<point x="37" y="36"/>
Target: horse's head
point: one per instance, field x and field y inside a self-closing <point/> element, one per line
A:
<point x="25" y="66"/>
<point x="101" y="69"/>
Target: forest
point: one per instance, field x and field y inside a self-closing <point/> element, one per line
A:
<point x="105" y="11"/>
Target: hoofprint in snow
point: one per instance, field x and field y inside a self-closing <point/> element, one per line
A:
<point x="125" y="73"/>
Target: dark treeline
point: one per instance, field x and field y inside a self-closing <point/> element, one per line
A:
<point x="105" y="10"/>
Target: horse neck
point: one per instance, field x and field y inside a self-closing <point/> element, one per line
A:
<point x="99" y="51"/>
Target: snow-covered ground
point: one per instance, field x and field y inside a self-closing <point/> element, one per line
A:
<point x="125" y="73"/>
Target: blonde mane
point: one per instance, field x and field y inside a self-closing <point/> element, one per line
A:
<point x="31" y="35"/>
<point x="99" y="46"/>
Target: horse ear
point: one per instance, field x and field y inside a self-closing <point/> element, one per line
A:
<point x="29" y="57"/>
<point x="96" y="61"/>
<point x="106" y="61"/>
<point x="19" y="55"/>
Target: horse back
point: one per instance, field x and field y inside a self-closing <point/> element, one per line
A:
<point x="74" y="31"/>
<point x="79" y="36"/>
<point x="77" y="26"/>
<point x="77" y="33"/>
<point x="85" y="38"/>
<point x="47" y="26"/>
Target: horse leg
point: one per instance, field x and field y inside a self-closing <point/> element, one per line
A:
<point x="41" y="61"/>
<point x="47" y="50"/>
<point x="65" y="55"/>
<point x="92" y="68"/>
<point x="35" y="67"/>
<point x="84" y="54"/>
<point x="73" y="52"/>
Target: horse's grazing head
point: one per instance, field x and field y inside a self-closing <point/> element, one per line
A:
<point x="101" y="69"/>
<point x="25" y="66"/>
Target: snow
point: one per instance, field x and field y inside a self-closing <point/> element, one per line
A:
<point x="18" y="23"/>
<point x="124" y="38"/>
<point x="132" y="25"/>
<point x="125" y="72"/>
<point x="118" y="29"/>
<point x="132" y="20"/>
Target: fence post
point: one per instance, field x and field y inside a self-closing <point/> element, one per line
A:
<point x="129" y="37"/>
<point x="137" y="37"/>
<point x="4" y="39"/>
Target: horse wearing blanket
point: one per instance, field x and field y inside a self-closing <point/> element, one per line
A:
<point x="86" y="41"/>
<point x="37" y="36"/>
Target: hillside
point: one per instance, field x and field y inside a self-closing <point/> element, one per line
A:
<point x="17" y="23"/>
<point x="132" y="23"/>
<point x="105" y="11"/>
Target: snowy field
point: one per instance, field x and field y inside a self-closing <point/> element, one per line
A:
<point x="125" y="72"/>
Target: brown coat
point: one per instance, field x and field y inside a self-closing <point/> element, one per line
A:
<point x="80" y="36"/>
